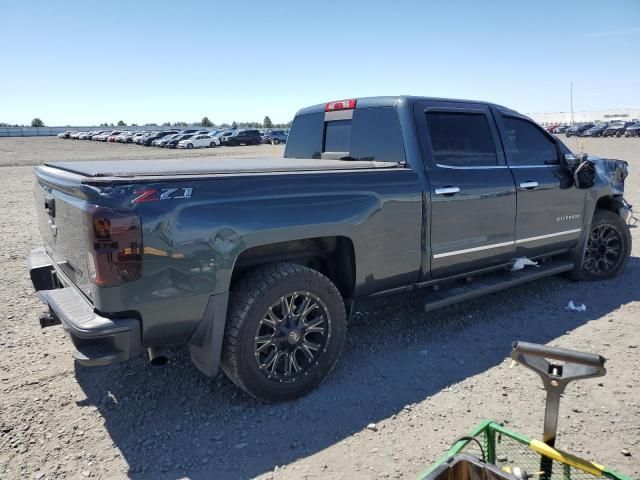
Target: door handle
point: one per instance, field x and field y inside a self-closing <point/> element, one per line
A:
<point x="447" y="190"/>
<point x="50" y="205"/>
<point x="529" y="185"/>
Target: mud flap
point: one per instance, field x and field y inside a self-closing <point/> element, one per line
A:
<point x="576" y="254"/>
<point x="205" y="346"/>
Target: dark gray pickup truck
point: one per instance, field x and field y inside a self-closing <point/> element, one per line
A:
<point x="255" y="263"/>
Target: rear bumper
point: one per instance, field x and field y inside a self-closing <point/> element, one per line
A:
<point x="98" y="340"/>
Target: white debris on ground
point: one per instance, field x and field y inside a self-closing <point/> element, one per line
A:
<point x="576" y="308"/>
<point x="522" y="262"/>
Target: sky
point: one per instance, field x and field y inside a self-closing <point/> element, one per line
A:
<point x="89" y="62"/>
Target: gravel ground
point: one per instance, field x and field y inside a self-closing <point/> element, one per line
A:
<point x="421" y="379"/>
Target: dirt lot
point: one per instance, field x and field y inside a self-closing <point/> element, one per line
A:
<point x="422" y="379"/>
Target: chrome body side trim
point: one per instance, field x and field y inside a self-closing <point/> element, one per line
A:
<point x="550" y="235"/>
<point x="506" y="244"/>
<point x="474" y="249"/>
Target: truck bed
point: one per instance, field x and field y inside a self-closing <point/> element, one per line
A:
<point x="208" y="166"/>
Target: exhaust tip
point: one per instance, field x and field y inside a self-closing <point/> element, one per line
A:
<point x="157" y="356"/>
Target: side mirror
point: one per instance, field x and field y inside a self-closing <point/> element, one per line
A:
<point x="571" y="160"/>
<point x="583" y="170"/>
<point x="584" y="175"/>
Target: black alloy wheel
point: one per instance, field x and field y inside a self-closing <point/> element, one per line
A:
<point x="604" y="250"/>
<point x="292" y="336"/>
<point x="285" y="329"/>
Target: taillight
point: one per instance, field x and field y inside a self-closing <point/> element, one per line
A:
<point x="114" y="246"/>
<point x="340" y="105"/>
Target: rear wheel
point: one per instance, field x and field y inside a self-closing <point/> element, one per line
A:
<point x="607" y="248"/>
<point x="285" y="330"/>
<point x="190" y="145"/>
<point x="276" y="141"/>
<point x="212" y="144"/>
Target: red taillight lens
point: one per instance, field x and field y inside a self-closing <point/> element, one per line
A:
<point x="114" y="246"/>
<point x="340" y="105"/>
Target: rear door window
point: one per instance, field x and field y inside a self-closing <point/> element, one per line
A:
<point x="461" y="139"/>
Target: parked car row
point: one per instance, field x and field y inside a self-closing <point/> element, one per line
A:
<point x="611" y="129"/>
<point x="188" y="138"/>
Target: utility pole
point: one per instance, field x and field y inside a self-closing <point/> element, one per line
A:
<point x="571" y="96"/>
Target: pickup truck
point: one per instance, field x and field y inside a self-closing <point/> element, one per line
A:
<point x="255" y="264"/>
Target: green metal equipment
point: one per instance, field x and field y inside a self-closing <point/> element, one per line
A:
<point x="493" y="452"/>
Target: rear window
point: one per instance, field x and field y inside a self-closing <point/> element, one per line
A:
<point x="305" y="138"/>
<point x="337" y="137"/>
<point x="372" y="134"/>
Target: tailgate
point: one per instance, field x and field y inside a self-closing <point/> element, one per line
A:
<point x="61" y="223"/>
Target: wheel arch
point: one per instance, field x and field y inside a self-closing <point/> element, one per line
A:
<point x="613" y="203"/>
<point x="333" y="256"/>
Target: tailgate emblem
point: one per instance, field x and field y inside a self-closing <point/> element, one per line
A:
<point x="155" y="194"/>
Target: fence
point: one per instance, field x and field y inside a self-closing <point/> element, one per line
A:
<point x="51" y="131"/>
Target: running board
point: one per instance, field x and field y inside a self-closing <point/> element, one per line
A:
<point x="494" y="283"/>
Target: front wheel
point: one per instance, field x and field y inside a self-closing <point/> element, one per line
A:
<point x="190" y="145"/>
<point x="285" y="330"/>
<point x="607" y="248"/>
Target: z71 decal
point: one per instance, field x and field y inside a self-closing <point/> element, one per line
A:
<point x="155" y="194"/>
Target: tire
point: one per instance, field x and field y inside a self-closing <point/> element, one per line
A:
<point x="604" y="221"/>
<point x="251" y="300"/>
<point x="212" y="144"/>
<point x="276" y="141"/>
<point x="189" y="145"/>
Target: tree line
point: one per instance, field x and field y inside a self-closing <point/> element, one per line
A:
<point x="205" y="122"/>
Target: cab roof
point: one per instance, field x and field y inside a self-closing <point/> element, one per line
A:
<point x="395" y="101"/>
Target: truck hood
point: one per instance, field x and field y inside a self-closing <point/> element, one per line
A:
<point x="208" y="166"/>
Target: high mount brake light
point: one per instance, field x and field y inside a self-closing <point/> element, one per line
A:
<point x="114" y="246"/>
<point x="340" y="105"/>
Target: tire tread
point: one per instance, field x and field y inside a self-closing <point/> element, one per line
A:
<point x="244" y="294"/>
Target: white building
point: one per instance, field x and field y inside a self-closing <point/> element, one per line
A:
<point x="554" y="118"/>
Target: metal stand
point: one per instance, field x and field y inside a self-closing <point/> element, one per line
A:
<point x="569" y="366"/>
